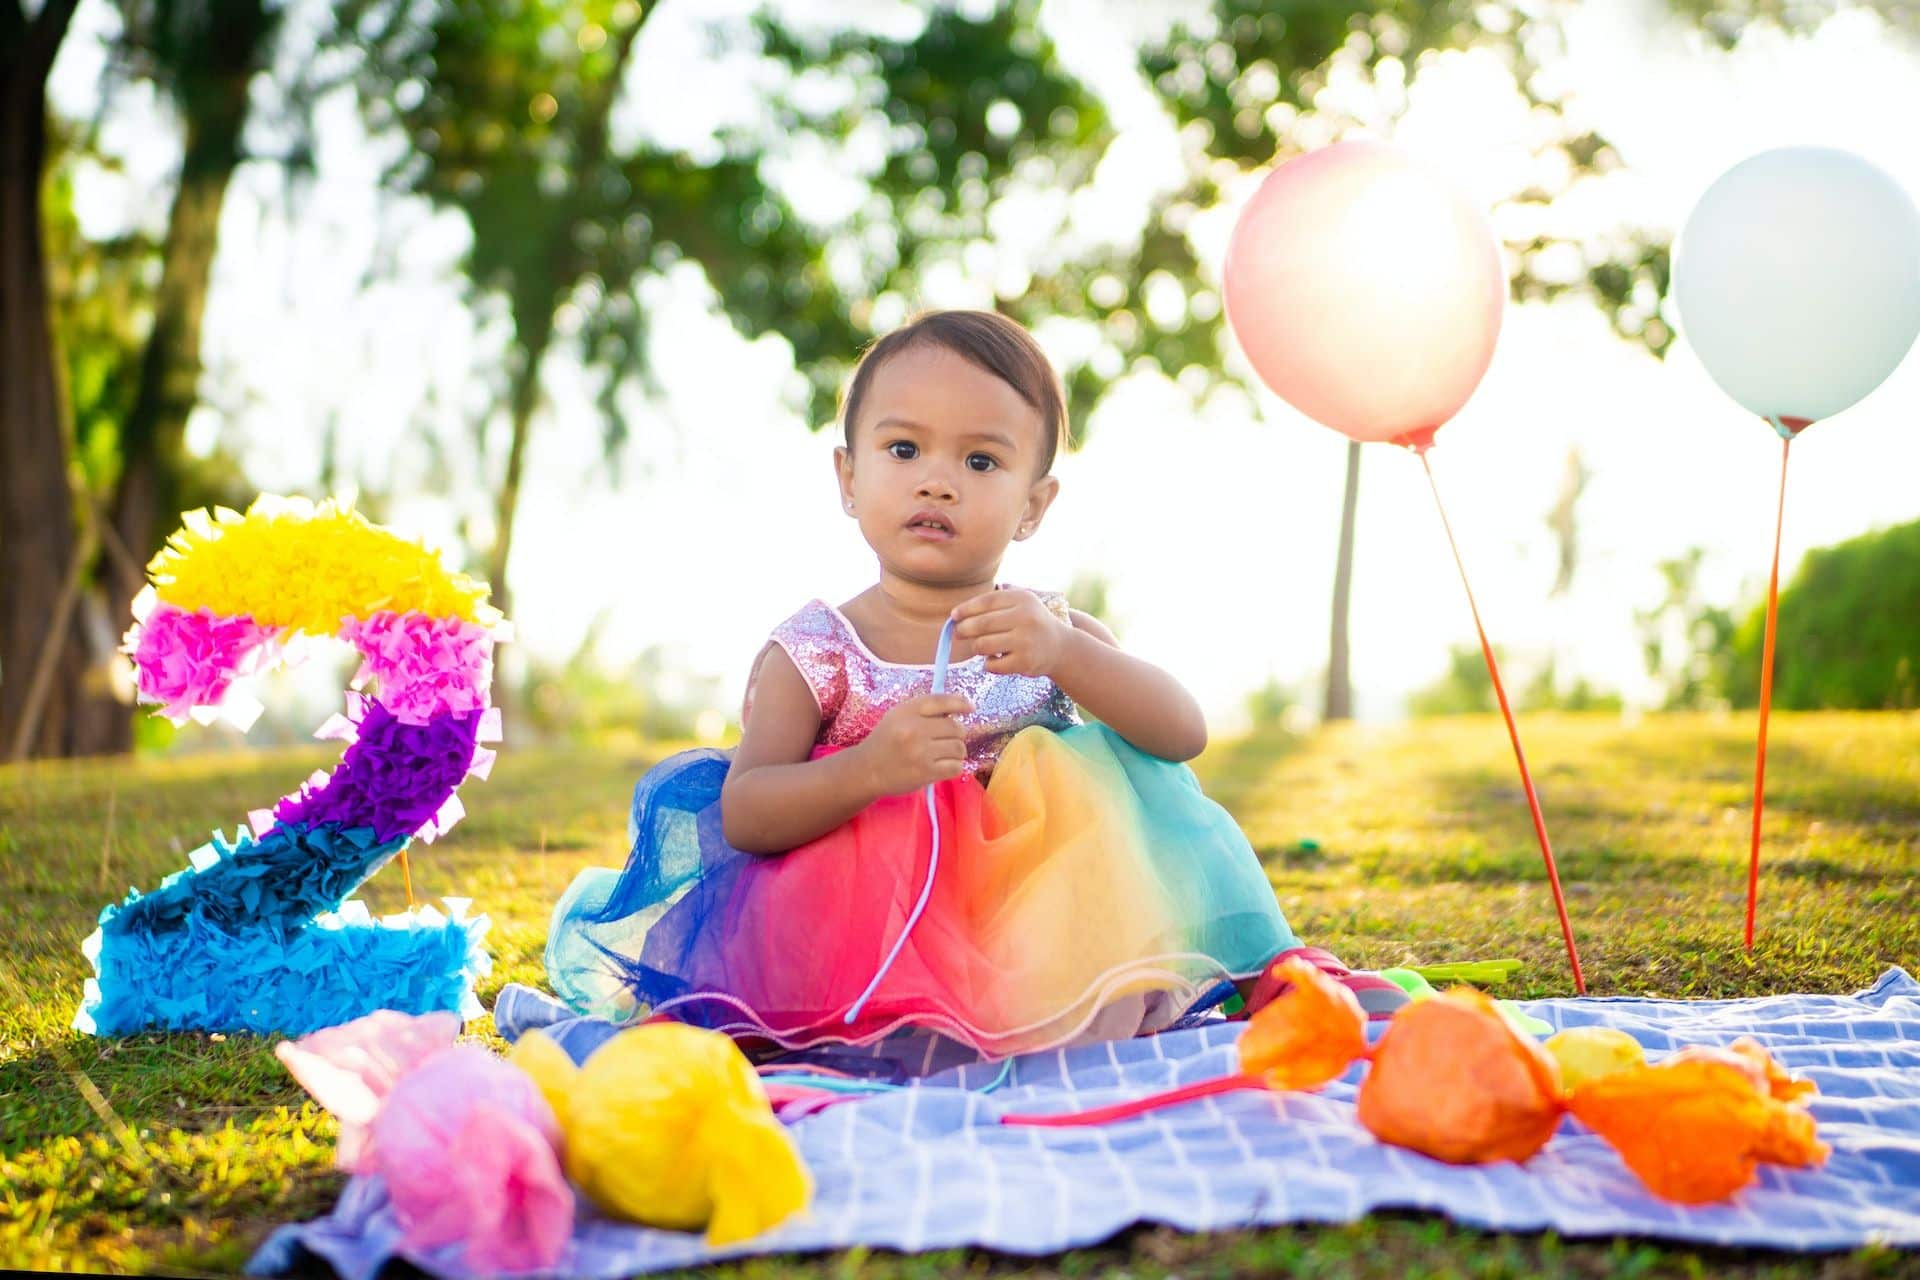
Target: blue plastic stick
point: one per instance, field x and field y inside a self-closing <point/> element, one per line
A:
<point x="933" y="858"/>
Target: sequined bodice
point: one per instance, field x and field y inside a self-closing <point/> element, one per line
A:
<point x="855" y="688"/>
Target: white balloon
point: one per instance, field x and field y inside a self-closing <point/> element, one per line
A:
<point x="1797" y="278"/>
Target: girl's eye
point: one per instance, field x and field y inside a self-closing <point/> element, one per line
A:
<point x="898" y="445"/>
<point x="981" y="462"/>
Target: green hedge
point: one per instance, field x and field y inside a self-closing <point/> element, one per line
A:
<point x="1849" y="629"/>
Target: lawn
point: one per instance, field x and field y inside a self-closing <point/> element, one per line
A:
<point x="1391" y="845"/>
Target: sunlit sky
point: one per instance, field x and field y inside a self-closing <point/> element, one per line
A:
<point x="1216" y="531"/>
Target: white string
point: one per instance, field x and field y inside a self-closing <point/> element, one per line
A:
<point x="933" y="857"/>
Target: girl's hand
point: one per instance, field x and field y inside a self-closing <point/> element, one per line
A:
<point x="1016" y="630"/>
<point x="917" y="742"/>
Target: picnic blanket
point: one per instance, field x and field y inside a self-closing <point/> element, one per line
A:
<point x="929" y="1167"/>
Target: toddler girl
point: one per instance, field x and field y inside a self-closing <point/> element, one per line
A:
<point x="1085" y="887"/>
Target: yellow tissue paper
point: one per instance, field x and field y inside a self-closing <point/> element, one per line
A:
<point x="293" y="563"/>
<point x="1590" y="1053"/>
<point x="667" y="1125"/>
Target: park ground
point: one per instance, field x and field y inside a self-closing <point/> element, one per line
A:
<point x="1387" y="844"/>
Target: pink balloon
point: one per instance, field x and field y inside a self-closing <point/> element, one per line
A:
<point x="1366" y="291"/>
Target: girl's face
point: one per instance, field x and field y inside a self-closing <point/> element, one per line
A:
<point x="943" y="471"/>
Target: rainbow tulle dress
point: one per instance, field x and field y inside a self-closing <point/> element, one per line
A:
<point x="1085" y="891"/>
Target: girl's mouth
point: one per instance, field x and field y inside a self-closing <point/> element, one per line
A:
<point x="931" y="526"/>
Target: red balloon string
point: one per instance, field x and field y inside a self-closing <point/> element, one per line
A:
<point x="1138" y="1106"/>
<point x="1766" y="694"/>
<point x="1500" y="692"/>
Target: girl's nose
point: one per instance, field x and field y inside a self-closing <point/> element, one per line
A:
<point x="935" y="484"/>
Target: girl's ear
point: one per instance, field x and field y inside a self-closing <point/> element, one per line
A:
<point x="1039" y="498"/>
<point x="843" y="472"/>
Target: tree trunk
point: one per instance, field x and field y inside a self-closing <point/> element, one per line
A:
<point x="1339" y="684"/>
<point x="533" y="307"/>
<point x="523" y="398"/>
<point x="213" y="100"/>
<point x="36" y="504"/>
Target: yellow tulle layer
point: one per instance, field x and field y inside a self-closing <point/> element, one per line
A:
<point x="290" y="562"/>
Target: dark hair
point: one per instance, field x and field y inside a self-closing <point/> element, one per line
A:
<point x="1001" y="346"/>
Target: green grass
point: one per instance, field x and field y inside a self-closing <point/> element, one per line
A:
<point x="178" y="1153"/>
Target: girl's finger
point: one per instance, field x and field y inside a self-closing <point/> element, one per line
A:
<point x="978" y="624"/>
<point x="985" y="602"/>
<point x="945" y="704"/>
<point x="995" y="641"/>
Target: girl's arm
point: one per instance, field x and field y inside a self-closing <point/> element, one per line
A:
<point x="775" y="798"/>
<point x="1134" y="698"/>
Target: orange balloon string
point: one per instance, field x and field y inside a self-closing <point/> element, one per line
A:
<point x="1766" y="694"/>
<point x="1500" y="692"/>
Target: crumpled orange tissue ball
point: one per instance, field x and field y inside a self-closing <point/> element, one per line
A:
<point x="1453" y="1079"/>
<point x="1307" y="1035"/>
<point x="1694" y="1126"/>
<point x="1750" y="1056"/>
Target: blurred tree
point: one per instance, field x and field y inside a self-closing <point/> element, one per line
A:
<point x="132" y="357"/>
<point x="1089" y="593"/>
<point x="99" y="293"/>
<point x="40" y="571"/>
<point x="1267" y="706"/>
<point x="1563" y="520"/>
<point x="1685" y="639"/>
<point x="103" y="294"/>
<point x="1848" y="632"/>
<point x="507" y="106"/>
<point x="1248" y="85"/>
<point x="1727" y="20"/>
<point x="506" y="110"/>
<point x="584" y="699"/>
<point x="1543" y="693"/>
<point x="201" y="56"/>
<point x="1338" y="702"/>
<point x="1465" y="689"/>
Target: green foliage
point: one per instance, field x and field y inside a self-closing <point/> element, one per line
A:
<point x="506" y="109"/>
<point x="1268" y="705"/>
<point x="1244" y="84"/>
<point x="1465" y="689"/>
<point x="1685" y="640"/>
<point x="100" y="291"/>
<point x="101" y="298"/>
<point x="1543" y="693"/>
<point x="1727" y="20"/>
<point x="1848" y="629"/>
<point x="977" y="108"/>
<point x="586" y="700"/>
<point x="1088" y="593"/>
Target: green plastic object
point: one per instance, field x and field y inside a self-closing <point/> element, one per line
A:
<point x="1414" y="983"/>
<point x="1481" y="973"/>
<point x="1411" y="981"/>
